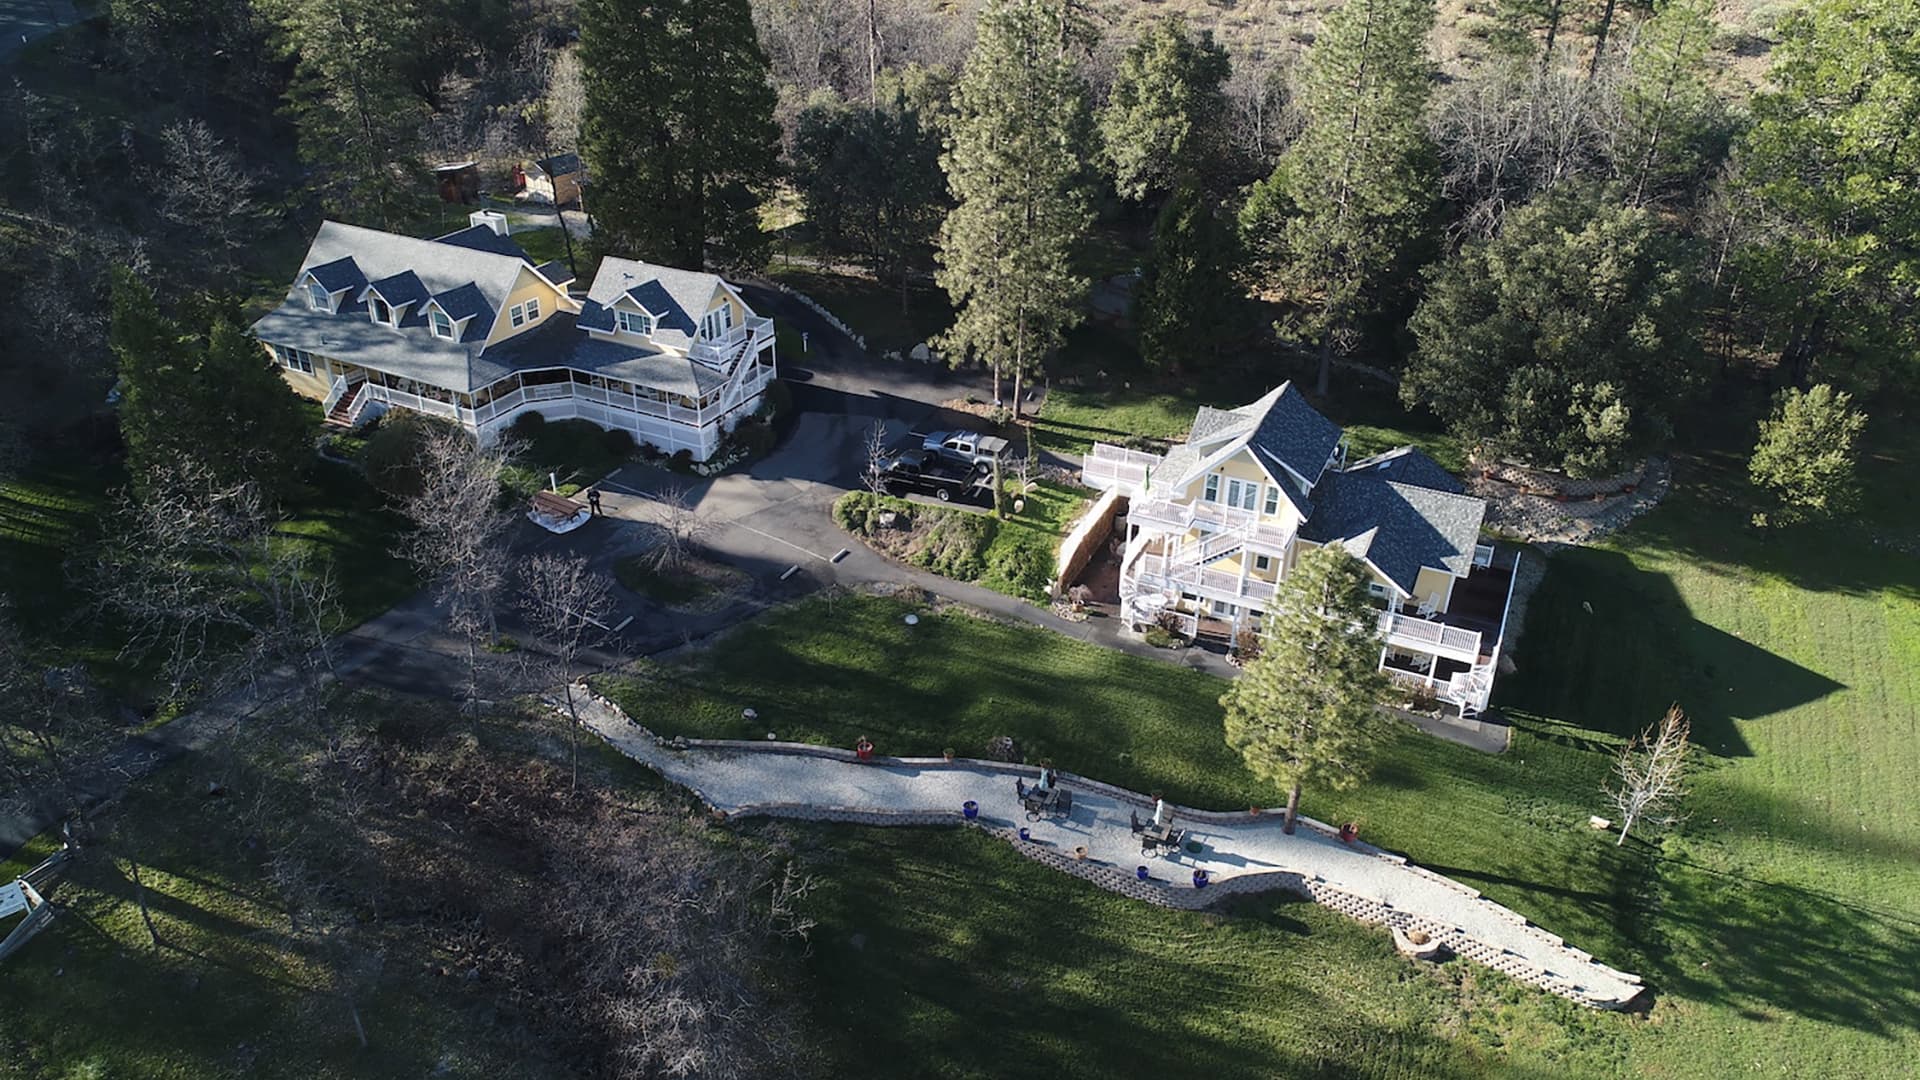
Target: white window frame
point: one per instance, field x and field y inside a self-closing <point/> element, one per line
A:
<point x="717" y="323"/>
<point x="1224" y="610"/>
<point x="524" y="312"/>
<point x="436" y="319"/>
<point x="1242" y="494"/>
<point x="1263" y="563"/>
<point x="1375" y="588"/>
<point x="319" y="297"/>
<point x="1211" y="492"/>
<point x="1272" y="504"/>
<point x="373" y="311"/>
<point x="634" y="322"/>
<point x="294" y="359"/>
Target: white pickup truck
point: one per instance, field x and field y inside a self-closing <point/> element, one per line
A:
<point x="968" y="446"/>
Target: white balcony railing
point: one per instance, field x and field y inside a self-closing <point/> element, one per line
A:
<point x="1437" y="638"/>
<point x="720" y="350"/>
<point x="1156" y="572"/>
<point x="1110" y="466"/>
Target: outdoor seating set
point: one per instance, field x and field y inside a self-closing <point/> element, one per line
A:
<point x="1043" y="799"/>
<point x="1162" y="838"/>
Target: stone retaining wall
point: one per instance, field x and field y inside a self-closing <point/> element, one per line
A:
<point x="1179" y="894"/>
<point x="820" y="310"/>
<point x="1539" y="482"/>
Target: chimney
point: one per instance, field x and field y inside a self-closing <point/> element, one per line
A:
<point x="492" y="219"/>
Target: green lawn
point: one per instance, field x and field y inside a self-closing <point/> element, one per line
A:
<point x="575" y="452"/>
<point x="872" y="308"/>
<point x="1779" y="927"/>
<point x="642" y="575"/>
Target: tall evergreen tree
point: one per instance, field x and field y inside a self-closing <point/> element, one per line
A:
<point x="1307" y="709"/>
<point x="1164" y="117"/>
<point x="1668" y="113"/>
<point x="1829" y="159"/>
<point x="1351" y="194"/>
<point x="1187" y="299"/>
<point x="1014" y="165"/>
<point x="678" y="127"/>
<point x="350" y="102"/>
<point x="1808" y="455"/>
<point x="216" y="402"/>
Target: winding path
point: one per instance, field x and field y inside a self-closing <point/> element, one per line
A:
<point x="1241" y="852"/>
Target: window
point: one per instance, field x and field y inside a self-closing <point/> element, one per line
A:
<point x="1224" y="609"/>
<point x="294" y="359"/>
<point x="378" y="308"/>
<point x="1213" y="488"/>
<point x="442" y="326"/>
<point x="717" y="322"/>
<point x="318" y="296"/>
<point x="1242" y="494"/>
<point x="1263" y="563"/>
<point x="522" y="314"/>
<point x="1273" y="500"/>
<point x="635" y="322"/>
<point x="1377" y="589"/>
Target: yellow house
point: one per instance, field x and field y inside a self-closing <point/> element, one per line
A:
<point x="467" y="327"/>
<point x="1216" y="523"/>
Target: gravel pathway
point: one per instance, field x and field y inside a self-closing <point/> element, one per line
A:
<point x="780" y="778"/>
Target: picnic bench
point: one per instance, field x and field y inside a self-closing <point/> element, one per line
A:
<point x="555" y="512"/>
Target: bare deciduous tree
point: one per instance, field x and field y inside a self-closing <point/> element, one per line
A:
<point x="566" y="603"/>
<point x="459" y="538"/>
<point x="207" y="188"/>
<point x="682" y="525"/>
<point x="875" y="448"/>
<point x="1651" y="773"/>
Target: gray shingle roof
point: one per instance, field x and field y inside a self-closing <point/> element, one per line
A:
<point x="1292" y="432"/>
<point x="676" y="298"/>
<point x="559" y="343"/>
<point x="404" y="287"/>
<point x="556" y="272"/>
<point x="341" y="273"/>
<point x="1411" y="526"/>
<point x="1410" y="465"/>
<point x="559" y="164"/>
<point x="482" y="238"/>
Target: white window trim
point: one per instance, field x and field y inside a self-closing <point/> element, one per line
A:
<point x="717" y="323"/>
<point x="1375" y="588"/>
<point x="294" y="359"/>
<point x="643" y="318"/>
<point x="1272" y="504"/>
<point x="373" y="313"/>
<point x="434" y="318"/>
<point x="1263" y="563"/>
<point x="312" y="296"/>
<point x="1211" y="492"/>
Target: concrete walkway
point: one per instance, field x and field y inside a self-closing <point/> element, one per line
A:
<point x="1240" y="852"/>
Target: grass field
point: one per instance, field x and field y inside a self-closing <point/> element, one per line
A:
<point x="1779" y="925"/>
<point x="872" y="308"/>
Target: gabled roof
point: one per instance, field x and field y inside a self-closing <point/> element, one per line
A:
<point x="404" y="287"/>
<point x="556" y="272"/>
<point x="675" y="298"/>
<point x="1285" y="435"/>
<point x="1410" y="465"/>
<point x="341" y="273"/>
<point x="469" y="282"/>
<point x="559" y="164"/>
<point x="482" y="238"/>
<point x="1398" y="527"/>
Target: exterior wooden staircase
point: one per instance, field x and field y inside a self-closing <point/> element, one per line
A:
<point x="341" y="414"/>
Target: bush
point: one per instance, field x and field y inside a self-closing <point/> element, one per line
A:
<point x="777" y="401"/>
<point x="651" y="452"/>
<point x="850" y="511"/>
<point x="754" y="436"/>
<point x="529" y="423"/>
<point x="1023" y="568"/>
<point x="1162" y="638"/>
<point x="956" y="545"/>
<point x="392" y="456"/>
<point x="619" y="442"/>
<point x="682" y="461"/>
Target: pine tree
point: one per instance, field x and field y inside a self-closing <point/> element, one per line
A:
<point x="156" y="376"/>
<point x="678" y="127"/>
<point x="1187" y="300"/>
<point x="1351" y="194"/>
<point x="1829" y="160"/>
<point x="1668" y="111"/>
<point x="1306" y="711"/>
<point x="1014" y="165"/>
<point x="350" y="102"/>
<point x="1163" y="118"/>
<point x="1807" y="456"/>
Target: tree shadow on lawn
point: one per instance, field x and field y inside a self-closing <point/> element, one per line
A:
<point x="1609" y="646"/>
<point x="1742" y="943"/>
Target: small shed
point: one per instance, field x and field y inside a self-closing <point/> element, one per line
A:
<point x="458" y="181"/>
<point x="556" y="179"/>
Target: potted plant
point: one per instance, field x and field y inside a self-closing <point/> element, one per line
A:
<point x="1140" y="873"/>
<point x="1080" y="853"/>
<point x="947" y="753"/>
<point x="1199" y="879"/>
<point x="970" y="809"/>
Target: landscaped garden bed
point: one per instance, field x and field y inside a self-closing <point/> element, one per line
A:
<point x="1015" y="556"/>
<point x="695" y="585"/>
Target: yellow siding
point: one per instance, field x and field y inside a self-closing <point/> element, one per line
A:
<point x="528" y="287"/>
<point x="315" y="386"/>
<point x="1242" y="467"/>
<point x="1434" y="583"/>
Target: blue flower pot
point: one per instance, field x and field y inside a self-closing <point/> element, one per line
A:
<point x="971" y="809"/>
<point x="1199" y="879"/>
<point x="1024" y="834"/>
<point x="1140" y="873"/>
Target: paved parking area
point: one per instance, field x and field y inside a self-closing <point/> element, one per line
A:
<point x="22" y="21"/>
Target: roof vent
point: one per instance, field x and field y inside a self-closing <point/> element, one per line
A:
<point x="492" y="219"/>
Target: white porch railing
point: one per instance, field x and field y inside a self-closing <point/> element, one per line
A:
<point x="1438" y="638"/>
<point x="719" y="351"/>
<point x="334" y="394"/>
<point x="1109" y="466"/>
<point x="1157" y="572"/>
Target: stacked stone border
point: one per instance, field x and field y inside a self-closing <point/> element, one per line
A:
<point x="820" y="309"/>
<point x="1159" y="890"/>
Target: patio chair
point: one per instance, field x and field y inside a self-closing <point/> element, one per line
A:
<point x="1138" y="828"/>
<point x="1020" y="789"/>
<point x="1429" y="607"/>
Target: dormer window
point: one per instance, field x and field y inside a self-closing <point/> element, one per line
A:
<point x="379" y="310"/>
<point x="522" y="314"/>
<point x="318" y="297"/>
<point x="635" y="322"/>
<point x="442" y="326"/>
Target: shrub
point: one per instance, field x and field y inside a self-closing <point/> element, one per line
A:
<point x="1021" y="568"/>
<point x="1162" y="638"/>
<point x="392" y="456"/>
<point x="777" y="401"/>
<point x="651" y="452"/>
<point x="850" y="511"/>
<point x="619" y="442"/>
<point x="682" y="461"/>
<point x="754" y="436"/>
<point x="955" y="545"/>
<point x="529" y="423"/>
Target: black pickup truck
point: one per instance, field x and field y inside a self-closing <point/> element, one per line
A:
<point x="933" y="474"/>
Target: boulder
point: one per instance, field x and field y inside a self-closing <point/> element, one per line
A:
<point x="921" y="353"/>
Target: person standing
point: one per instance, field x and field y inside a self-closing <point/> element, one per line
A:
<point x="593" y="500"/>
